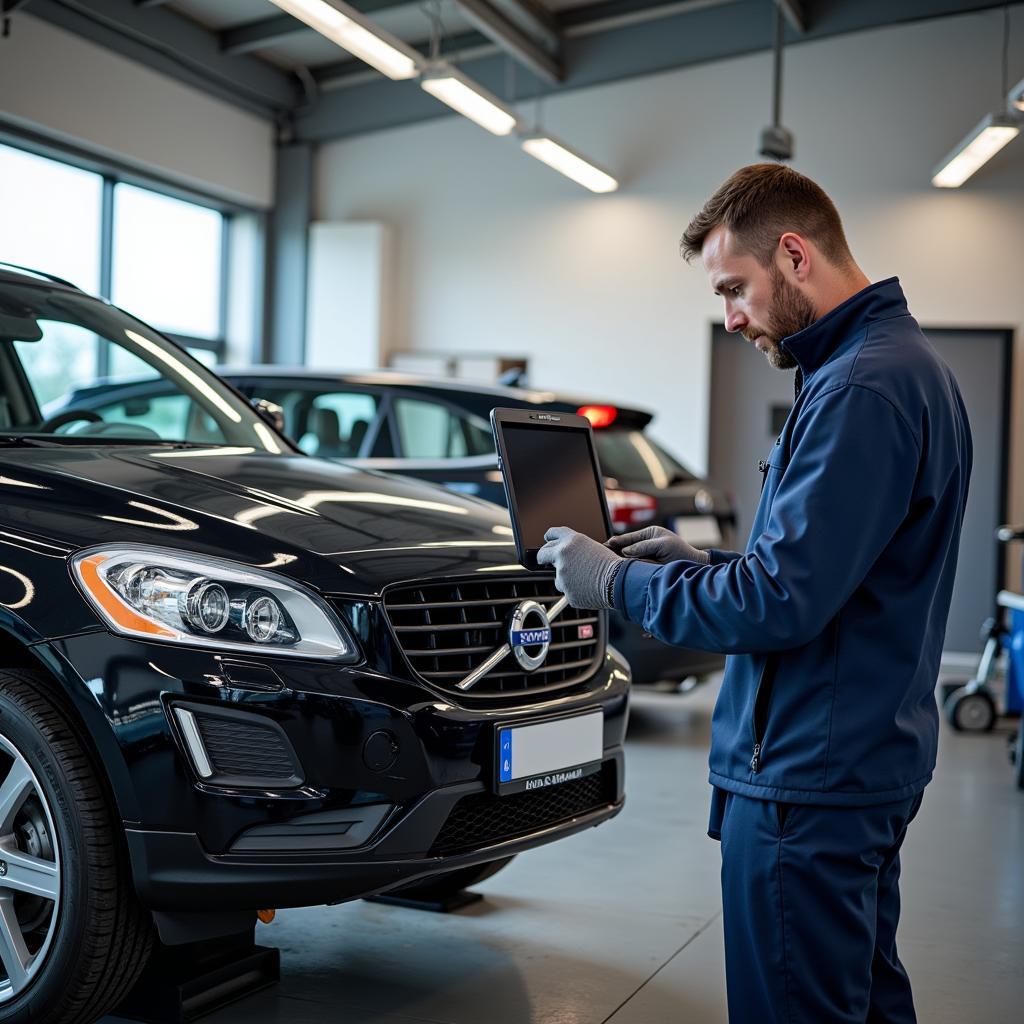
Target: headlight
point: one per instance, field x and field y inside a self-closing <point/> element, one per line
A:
<point x="158" y="594"/>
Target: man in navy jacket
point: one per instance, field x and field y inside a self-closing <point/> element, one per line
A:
<point x="824" y="733"/>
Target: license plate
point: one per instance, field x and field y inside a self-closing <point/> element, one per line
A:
<point x="697" y="529"/>
<point x="548" y="753"/>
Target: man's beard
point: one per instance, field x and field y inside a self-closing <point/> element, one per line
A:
<point x="791" y="312"/>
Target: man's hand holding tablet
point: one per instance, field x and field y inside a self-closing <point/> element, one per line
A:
<point x="585" y="570"/>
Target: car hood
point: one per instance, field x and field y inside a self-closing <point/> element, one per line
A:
<point x="339" y="529"/>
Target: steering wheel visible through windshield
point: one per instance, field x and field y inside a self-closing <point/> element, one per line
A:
<point x="74" y="367"/>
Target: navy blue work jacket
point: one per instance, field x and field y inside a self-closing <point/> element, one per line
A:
<point x="835" y="615"/>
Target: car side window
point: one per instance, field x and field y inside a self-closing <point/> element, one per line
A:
<point x="64" y="375"/>
<point x="328" y="424"/>
<point x="429" y="430"/>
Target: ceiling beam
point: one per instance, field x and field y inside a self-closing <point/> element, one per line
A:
<point x="695" y="32"/>
<point x="606" y="15"/>
<point x="255" y="35"/>
<point x="794" y="13"/>
<point x="178" y="47"/>
<point x="533" y="18"/>
<point x="542" y="60"/>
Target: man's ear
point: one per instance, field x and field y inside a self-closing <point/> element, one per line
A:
<point x="795" y="255"/>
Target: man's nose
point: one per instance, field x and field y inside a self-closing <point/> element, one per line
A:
<point x="734" y="321"/>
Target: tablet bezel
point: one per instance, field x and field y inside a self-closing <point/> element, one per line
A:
<point x="542" y="419"/>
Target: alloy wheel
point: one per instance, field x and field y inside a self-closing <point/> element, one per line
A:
<point x="30" y="873"/>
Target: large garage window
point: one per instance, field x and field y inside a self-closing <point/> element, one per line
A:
<point x="167" y="262"/>
<point x="51" y="216"/>
<point x="163" y="258"/>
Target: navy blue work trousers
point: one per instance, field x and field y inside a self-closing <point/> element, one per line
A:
<point x="811" y="904"/>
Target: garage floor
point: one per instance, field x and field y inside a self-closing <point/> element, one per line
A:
<point x="621" y="925"/>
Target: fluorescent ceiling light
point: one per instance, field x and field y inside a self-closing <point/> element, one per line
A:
<point x="994" y="132"/>
<point x="1016" y="96"/>
<point x="570" y="163"/>
<point x="451" y="86"/>
<point x="351" y="31"/>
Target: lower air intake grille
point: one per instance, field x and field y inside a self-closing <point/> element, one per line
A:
<point x="448" y="629"/>
<point x="244" y="749"/>
<point x="482" y="819"/>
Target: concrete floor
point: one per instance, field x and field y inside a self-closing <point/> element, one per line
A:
<point x="622" y="925"/>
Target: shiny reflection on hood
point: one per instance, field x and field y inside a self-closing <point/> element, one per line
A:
<point x="8" y="481"/>
<point x="197" y="453"/>
<point x="313" y="499"/>
<point x="278" y="560"/>
<point x="432" y="544"/>
<point x="172" y="520"/>
<point x="30" y="589"/>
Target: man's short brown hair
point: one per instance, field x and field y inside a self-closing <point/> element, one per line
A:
<point x="759" y="204"/>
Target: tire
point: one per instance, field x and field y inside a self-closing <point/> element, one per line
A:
<point x="449" y="883"/>
<point x="1019" y="767"/>
<point x="970" y="712"/>
<point x="83" y="943"/>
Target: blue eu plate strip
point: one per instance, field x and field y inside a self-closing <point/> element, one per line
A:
<point x="505" y="755"/>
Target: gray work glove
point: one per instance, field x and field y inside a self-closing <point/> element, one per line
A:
<point x="584" y="569"/>
<point x="657" y="544"/>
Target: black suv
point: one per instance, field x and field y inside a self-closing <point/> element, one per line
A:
<point x="236" y="677"/>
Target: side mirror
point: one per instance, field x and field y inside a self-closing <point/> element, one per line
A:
<point x="271" y="412"/>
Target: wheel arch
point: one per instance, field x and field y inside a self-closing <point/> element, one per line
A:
<point x="23" y="648"/>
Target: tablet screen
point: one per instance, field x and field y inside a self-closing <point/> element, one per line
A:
<point x="552" y="474"/>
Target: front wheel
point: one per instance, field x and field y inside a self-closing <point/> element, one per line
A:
<point x="449" y="883"/>
<point x="73" y="938"/>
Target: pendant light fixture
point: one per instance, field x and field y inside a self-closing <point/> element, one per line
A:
<point x="569" y="162"/>
<point x="990" y="135"/>
<point x="448" y="84"/>
<point x="777" y="141"/>
<point x="350" y="30"/>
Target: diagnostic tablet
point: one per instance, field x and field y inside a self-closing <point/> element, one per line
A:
<point x="552" y="477"/>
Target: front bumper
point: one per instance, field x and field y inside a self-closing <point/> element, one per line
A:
<point x="205" y="847"/>
<point x="174" y="872"/>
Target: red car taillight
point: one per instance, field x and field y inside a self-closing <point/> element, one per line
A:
<point x="599" y="415"/>
<point x="629" y="509"/>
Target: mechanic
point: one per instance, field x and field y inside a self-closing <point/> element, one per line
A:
<point x="825" y="730"/>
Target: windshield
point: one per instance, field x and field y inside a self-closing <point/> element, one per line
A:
<point x="630" y="456"/>
<point x="73" y="368"/>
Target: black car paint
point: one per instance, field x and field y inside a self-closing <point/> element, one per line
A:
<point x="347" y="534"/>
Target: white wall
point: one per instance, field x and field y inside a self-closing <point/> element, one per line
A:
<point x="71" y="89"/>
<point x="497" y="252"/>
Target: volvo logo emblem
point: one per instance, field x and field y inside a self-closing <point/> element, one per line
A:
<point x="529" y="634"/>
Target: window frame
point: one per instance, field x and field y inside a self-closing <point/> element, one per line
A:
<point x="113" y="173"/>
